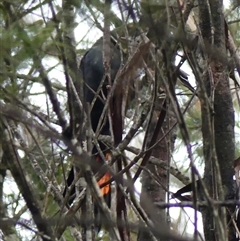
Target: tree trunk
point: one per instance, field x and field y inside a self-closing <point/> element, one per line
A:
<point x="218" y="119"/>
<point x="151" y="190"/>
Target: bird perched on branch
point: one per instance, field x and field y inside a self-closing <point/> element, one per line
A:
<point x="96" y="88"/>
<point x="93" y="72"/>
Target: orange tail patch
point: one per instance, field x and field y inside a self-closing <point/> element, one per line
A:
<point x="106" y="177"/>
<point x="104" y="190"/>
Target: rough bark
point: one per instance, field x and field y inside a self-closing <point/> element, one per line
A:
<point x="218" y="118"/>
<point x="152" y="191"/>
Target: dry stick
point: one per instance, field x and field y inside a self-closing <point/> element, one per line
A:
<point x="34" y="163"/>
<point x="237" y="94"/>
<point x="91" y="180"/>
<point x="69" y="216"/>
<point x="139" y="211"/>
<point x="52" y="96"/>
<point x="155" y="161"/>
<point x="70" y="188"/>
<point x="233" y="49"/>
<point x="28" y="193"/>
<point x="106" y="63"/>
<point x="200" y="204"/>
<point x="184" y="17"/>
<point x="29" y="109"/>
<point x="153" y="140"/>
<point x="138" y="122"/>
<point x="154" y="80"/>
<point x="34" y="79"/>
<point x="95" y="18"/>
<point x="102" y="119"/>
<point x="10" y="111"/>
<point x="234" y="221"/>
<point x="54" y="185"/>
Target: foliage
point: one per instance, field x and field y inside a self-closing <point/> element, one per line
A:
<point x="44" y="126"/>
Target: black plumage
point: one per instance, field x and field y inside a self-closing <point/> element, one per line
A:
<point x="93" y="71"/>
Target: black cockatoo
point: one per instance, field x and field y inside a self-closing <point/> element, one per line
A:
<point x="93" y="71"/>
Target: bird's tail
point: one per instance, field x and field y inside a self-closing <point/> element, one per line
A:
<point x="103" y="182"/>
<point x="105" y="189"/>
